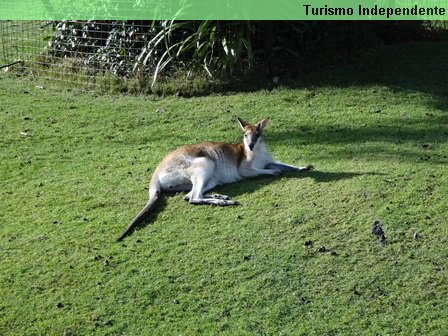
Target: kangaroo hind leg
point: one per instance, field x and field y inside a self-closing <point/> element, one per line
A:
<point x="215" y="196"/>
<point x="201" y="173"/>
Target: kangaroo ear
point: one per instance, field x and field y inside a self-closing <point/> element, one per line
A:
<point x="242" y="123"/>
<point x="262" y="124"/>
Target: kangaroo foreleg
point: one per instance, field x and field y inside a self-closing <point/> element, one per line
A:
<point x="286" y="167"/>
<point x="252" y="172"/>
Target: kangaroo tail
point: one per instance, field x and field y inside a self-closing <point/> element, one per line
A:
<point x="142" y="215"/>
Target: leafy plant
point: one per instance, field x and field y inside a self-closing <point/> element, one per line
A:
<point x="103" y="45"/>
<point x="122" y="47"/>
<point x="213" y="45"/>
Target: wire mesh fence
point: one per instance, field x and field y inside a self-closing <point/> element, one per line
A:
<point x="124" y="55"/>
<point x="19" y="40"/>
<point x="82" y="53"/>
<point x="129" y="55"/>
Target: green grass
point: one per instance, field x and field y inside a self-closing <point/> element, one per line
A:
<point x="377" y="136"/>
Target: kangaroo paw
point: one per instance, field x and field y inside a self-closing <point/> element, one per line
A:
<point x="221" y="197"/>
<point x="228" y="202"/>
<point x="308" y="168"/>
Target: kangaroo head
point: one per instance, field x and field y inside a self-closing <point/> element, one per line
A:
<point x="252" y="133"/>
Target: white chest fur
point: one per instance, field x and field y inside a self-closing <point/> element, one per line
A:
<point x="260" y="157"/>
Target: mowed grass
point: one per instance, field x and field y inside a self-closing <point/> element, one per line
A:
<point x="297" y="257"/>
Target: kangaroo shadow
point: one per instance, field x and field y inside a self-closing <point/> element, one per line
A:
<point x="251" y="185"/>
<point x="233" y="190"/>
<point x="323" y="176"/>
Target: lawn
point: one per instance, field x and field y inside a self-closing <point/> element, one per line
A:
<point x="297" y="257"/>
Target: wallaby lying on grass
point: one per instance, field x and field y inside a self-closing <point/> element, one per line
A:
<point x="201" y="167"/>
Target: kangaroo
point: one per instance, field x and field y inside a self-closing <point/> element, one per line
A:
<point x="200" y="167"/>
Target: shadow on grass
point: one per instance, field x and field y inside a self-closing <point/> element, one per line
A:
<point x="435" y="130"/>
<point x="399" y="142"/>
<point x="321" y="176"/>
<point x="252" y="185"/>
<point x="410" y="67"/>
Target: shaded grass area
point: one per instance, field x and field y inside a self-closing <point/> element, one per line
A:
<point x="297" y="257"/>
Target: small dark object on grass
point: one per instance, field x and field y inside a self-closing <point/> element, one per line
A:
<point x="378" y="231"/>
<point x="308" y="243"/>
<point x="322" y="249"/>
